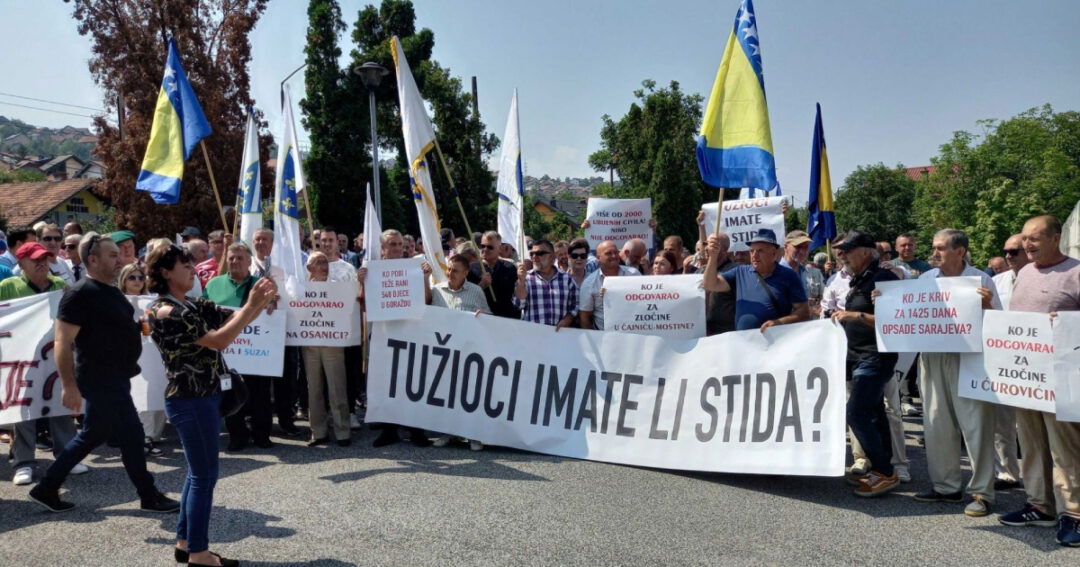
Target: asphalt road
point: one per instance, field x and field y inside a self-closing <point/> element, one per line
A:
<point x="293" y="505"/>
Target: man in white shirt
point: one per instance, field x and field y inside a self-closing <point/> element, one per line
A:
<point x="340" y="270"/>
<point x="73" y="261"/>
<point x="1006" y="463"/>
<point x="949" y="417"/>
<point x="591" y="298"/>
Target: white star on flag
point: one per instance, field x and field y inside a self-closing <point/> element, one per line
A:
<point x="750" y="31"/>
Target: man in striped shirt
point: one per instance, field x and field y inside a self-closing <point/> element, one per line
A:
<point x="544" y="294"/>
<point x="458" y="294"/>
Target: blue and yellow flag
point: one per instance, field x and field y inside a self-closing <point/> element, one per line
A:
<point x="735" y="147"/>
<point x="822" y="224"/>
<point x="179" y="124"/>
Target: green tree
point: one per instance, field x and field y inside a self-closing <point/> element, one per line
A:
<point x="21" y="176"/>
<point x="876" y="199"/>
<point x="652" y="149"/>
<point x="559" y="228"/>
<point x="988" y="184"/>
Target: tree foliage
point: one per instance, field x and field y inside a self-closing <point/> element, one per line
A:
<point x="336" y="113"/>
<point x="128" y="55"/>
<point x="652" y="149"/>
<point x="876" y="199"/>
<point x="21" y="176"/>
<point x="989" y="184"/>
<point x="560" y="227"/>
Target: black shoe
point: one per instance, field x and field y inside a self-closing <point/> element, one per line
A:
<point x="50" y="499"/>
<point x="935" y="496"/>
<point x="387" y="437"/>
<point x="290" y="430"/>
<point x="160" y="503"/>
<point x="264" y="443"/>
<point x="182" y="556"/>
<point x="343" y="442"/>
<point x="43" y="443"/>
<point x="319" y="441"/>
<point x="1002" y="484"/>
<point x="151" y="449"/>
<point x="419" y="440"/>
<point x="237" y="443"/>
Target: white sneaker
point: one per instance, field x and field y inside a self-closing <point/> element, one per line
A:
<point x="476" y="446"/>
<point x="79" y="468"/>
<point x="441" y="441"/>
<point x="861" y="466"/>
<point x="23" y="476"/>
<point x="903" y="474"/>
<point x="354" y="422"/>
<point x="909" y="410"/>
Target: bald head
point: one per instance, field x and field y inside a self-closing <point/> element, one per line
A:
<point x="1015" y="257"/>
<point x="1042" y="240"/>
<point x="632" y="252"/>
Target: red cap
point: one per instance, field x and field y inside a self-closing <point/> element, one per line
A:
<point x="32" y="250"/>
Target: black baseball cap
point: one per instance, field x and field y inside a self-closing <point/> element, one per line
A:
<point x="857" y="239"/>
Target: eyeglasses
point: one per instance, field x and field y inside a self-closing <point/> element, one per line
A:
<point x="540" y="253"/>
<point x="70" y="246"/>
<point x="888" y="253"/>
<point x="487" y="247"/>
<point x="52" y="238"/>
<point x="579" y="256"/>
<point x="136" y="277"/>
<point x="1011" y="251"/>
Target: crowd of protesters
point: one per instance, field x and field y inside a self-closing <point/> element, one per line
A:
<point x="559" y="284"/>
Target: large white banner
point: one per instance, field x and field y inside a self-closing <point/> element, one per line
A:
<point x="743" y="218"/>
<point x="324" y="314"/>
<point x="29" y="383"/>
<point x="394" y="289"/>
<point x="618" y="220"/>
<point x="1016" y="366"/>
<point x="746" y="402"/>
<point x="1067" y="365"/>
<point x="929" y="315"/>
<point x="665" y="306"/>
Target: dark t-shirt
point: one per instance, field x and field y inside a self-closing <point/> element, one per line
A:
<point x="503" y="283"/>
<point x="108" y="344"/>
<point x="720" y="312"/>
<point x="861" y="339"/>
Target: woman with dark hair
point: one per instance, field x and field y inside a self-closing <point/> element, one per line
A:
<point x="190" y="333"/>
<point x="664" y="263"/>
<point x="578" y="252"/>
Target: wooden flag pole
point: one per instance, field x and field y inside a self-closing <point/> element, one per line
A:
<point x="213" y="183"/>
<point x="468" y="227"/>
<point x="310" y="220"/>
<point x="719" y="210"/>
<point x="236" y="216"/>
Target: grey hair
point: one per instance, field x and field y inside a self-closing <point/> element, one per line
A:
<point x="387" y="234"/>
<point x="954" y="238"/>
<point x="492" y="234"/>
<point x="263" y="230"/>
<point x="235" y="246"/>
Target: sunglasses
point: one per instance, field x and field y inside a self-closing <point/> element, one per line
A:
<point x="136" y="277"/>
<point x="487" y="247"/>
<point x="540" y="253"/>
<point x="1011" y="251"/>
<point x="51" y="238"/>
<point x="70" y="246"/>
<point x="579" y="255"/>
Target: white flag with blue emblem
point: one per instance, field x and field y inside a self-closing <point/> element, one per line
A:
<point x="372" y="231"/>
<point x="249" y="196"/>
<point x="419" y="140"/>
<point x="511" y="187"/>
<point x="287" y="261"/>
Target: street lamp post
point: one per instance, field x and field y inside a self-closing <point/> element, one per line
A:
<point x="371" y="75"/>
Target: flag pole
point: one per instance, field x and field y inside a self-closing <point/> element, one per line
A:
<point x="719" y="210"/>
<point x="453" y="189"/>
<point x="310" y="220"/>
<point x="213" y="183"/>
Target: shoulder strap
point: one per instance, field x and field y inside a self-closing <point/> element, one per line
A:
<point x="772" y="296"/>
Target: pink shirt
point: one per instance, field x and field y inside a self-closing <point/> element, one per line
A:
<point x="1044" y="290"/>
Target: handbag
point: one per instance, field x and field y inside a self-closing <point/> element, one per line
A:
<point x="233" y="399"/>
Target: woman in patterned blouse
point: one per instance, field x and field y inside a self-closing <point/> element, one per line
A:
<point x="190" y="333"/>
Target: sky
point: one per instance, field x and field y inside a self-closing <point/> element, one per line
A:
<point x="894" y="79"/>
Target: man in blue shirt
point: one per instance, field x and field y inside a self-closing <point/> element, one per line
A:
<point x="766" y="293"/>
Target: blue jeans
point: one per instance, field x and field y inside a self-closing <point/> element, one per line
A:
<point x="866" y="408"/>
<point x="108" y="412"/>
<point x="198" y="423"/>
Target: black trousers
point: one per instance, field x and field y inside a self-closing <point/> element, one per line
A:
<point x="258" y="407"/>
<point x="354" y="369"/>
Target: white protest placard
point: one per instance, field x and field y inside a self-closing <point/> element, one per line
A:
<point x="323" y="314"/>
<point x="618" y="220"/>
<point x="665" y="306"/>
<point x="394" y="289"/>
<point x="929" y="315"/>
<point x="1016" y="367"/>
<point x="1067" y="365"/>
<point x="29" y="383"/>
<point x="904" y="362"/>
<point x="260" y="347"/>
<point x="745" y="401"/>
<point x="148" y="386"/>
<point x="743" y="218"/>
